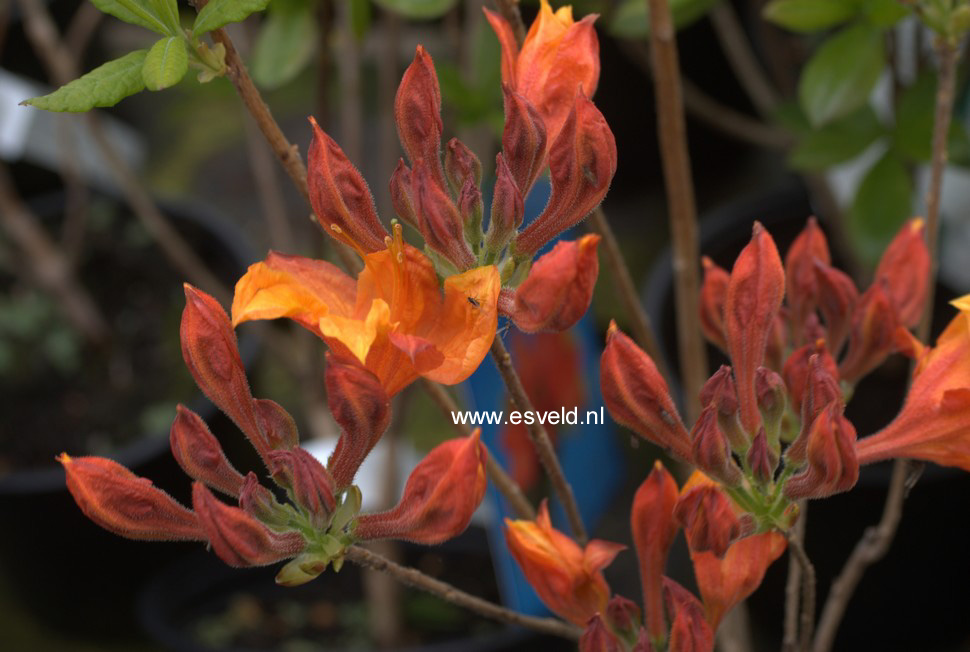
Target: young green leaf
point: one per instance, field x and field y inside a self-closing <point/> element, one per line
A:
<point x="418" y="9"/>
<point x="166" y="63"/>
<point x="222" y="12"/>
<point x="136" y="12"/>
<point x="881" y="205"/>
<point x="809" y="15"/>
<point x="884" y="13"/>
<point x="106" y="85"/>
<point x="168" y="11"/>
<point x="836" y="142"/>
<point x="841" y="74"/>
<point x="285" y="43"/>
<point x="630" y="20"/>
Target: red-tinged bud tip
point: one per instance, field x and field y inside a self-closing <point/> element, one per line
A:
<point x="772" y="400"/>
<point x="461" y="166"/>
<point x="199" y="454"/>
<point x="637" y="395"/>
<point x="559" y="288"/>
<point x="798" y="367"/>
<point x="361" y="408"/>
<point x="623" y="615"/>
<point x="438" y="218"/>
<point x="309" y="482"/>
<point x="654" y="528"/>
<point x="713" y="293"/>
<point x="689" y="629"/>
<point x="708" y="518"/>
<point x="260" y="503"/>
<point x="340" y="197"/>
<point x="598" y="638"/>
<point x="440" y="496"/>
<point x="417" y="111"/>
<point x="821" y="388"/>
<point x="125" y="504"/>
<point x="905" y="268"/>
<point x="508" y="208"/>
<point x="762" y="459"/>
<point x="832" y="466"/>
<point x="236" y="537"/>
<point x="710" y="450"/>
<point x="837" y="300"/>
<point x="582" y="162"/>
<point x="720" y="391"/>
<point x="401" y="197"/>
<point x="809" y="249"/>
<point x="523" y="140"/>
<point x="872" y="336"/>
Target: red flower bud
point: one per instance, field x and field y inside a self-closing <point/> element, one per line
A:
<point x="837" y="299"/>
<point x="461" y="165"/>
<point x="199" y="454"/>
<point x="623" y="615"/>
<point x="212" y="355"/>
<point x="654" y="529"/>
<point x="905" y="268"/>
<point x="872" y="337"/>
<point x="417" y="111"/>
<point x="710" y="450"/>
<point x="796" y="370"/>
<point x="820" y="389"/>
<point x="309" y="482"/>
<point x="440" y="496"/>
<point x="753" y="300"/>
<point x="597" y="637"/>
<point x="770" y="391"/>
<point x="831" y="457"/>
<point x="401" y="198"/>
<point x="340" y="196"/>
<point x="278" y="427"/>
<point x="471" y="208"/>
<point x="507" y="208"/>
<point x="439" y="221"/>
<point x="128" y="505"/>
<point x="582" y="162"/>
<point x="637" y="396"/>
<point x="809" y="249"/>
<point x="709" y="519"/>
<point x="361" y="408"/>
<point x="260" y="503"/>
<point x="689" y="631"/>
<point x="713" y="294"/>
<point x="559" y="288"/>
<point x="719" y="391"/>
<point x="523" y="140"/>
<point x="239" y="539"/>
<point x="643" y="642"/>
<point x="762" y="459"/>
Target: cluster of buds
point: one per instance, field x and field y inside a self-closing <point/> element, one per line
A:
<point x="320" y="516"/>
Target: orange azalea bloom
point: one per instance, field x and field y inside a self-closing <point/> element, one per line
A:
<point x="393" y="319"/>
<point x="934" y="424"/>
<point x="557" y="57"/>
<point x="567" y="578"/>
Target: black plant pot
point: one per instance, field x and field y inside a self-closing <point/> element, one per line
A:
<point x="199" y="604"/>
<point x="68" y="573"/>
<point x="914" y="584"/>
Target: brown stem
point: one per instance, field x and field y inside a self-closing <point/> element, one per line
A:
<point x="807" y="614"/>
<point x="447" y="592"/>
<point x="505" y="484"/>
<point x="540" y="439"/>
<point x="789" y="641"/>
<point x="510" y="11"/>
<point x="680" y="196"/>
<point x="731" y="35"/>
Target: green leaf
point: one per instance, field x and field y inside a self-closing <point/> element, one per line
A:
<point x="809" y="15"/>
<point x="222" y="12"/>
<point x="106" y="85"/>
<point x="914" y="118"/>
<point x="418" y="9"/>
<point x="882" y="203"/>
<point x="841" y="74"/>
<point x="136" y="12"/>
<point x="630" y="20"/>
<point x="285" y="44"/>
<point x="836" y="142"/>
<point x="360" y="18"/>
<point x="884" y="13"/>
<point x="166" y="63"/>
<point x="168" y="11"/>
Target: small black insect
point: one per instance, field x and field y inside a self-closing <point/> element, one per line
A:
<point x="474" y="302"/>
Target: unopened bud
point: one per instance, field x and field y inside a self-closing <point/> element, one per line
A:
<point x="260" y="503"/>
<point x="461" y="166"/>
<point x="199" y="454"/>
<point x="472" y="209"/>
<point x="710" y="450"/>
<point x="309" y="482"/>
<point x="417" y="112"/>
<point x="720" y="391"/>
<point x="708" y="518"/>
<point x="597" y="637"/>
<point x="821" y="389"/>
<point x="507" y="209"/>
<point x="523" y="140"/>
<point x="770" y="390"/>
<point x="623" y="616"/>
<point x="401" y="197"/>
<point x="837" y="299"/>
<point x="438" y="218"/>
<point x="905" y="269"/>
<point x="762" y="459"/>
<point x="832" y="466"/>
<point x="872" y="337"/>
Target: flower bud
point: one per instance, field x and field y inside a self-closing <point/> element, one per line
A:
<point x="126" y="504"/>
<point x="308" y="481"/>
<point x="642" y="643"/>
<point x="796" y="370"/>
<point x="905" y="269"/>
<point x="820" y="389"/>
<point x="689" y="631"/>
<point x="559" y="288"/>
<point x="710" y="450"/>
<point x="837" y="299"/>
<point x="212" y="355"/>
<point x="438" y="218"/>
<point x="417" y="111"/>
<point x="770" y="391"/>
<point x="239" y="539"/>
<point x="523" y="140"/>
<point x="260" y="503"/>
<point x="507" y="209"/>
<point x="830" y="454"/>
<point x="623" y="615"/>
<point x="762" y="459"/>
<point x="472" y="209"/>
<point x="278" y="427"/>
<point x="440" y="496"/>
<point x="461" y="166"/>
<point x="401" y="198"/>
<point x="654" y="528"/>
<point x="872" y="337"/>
<point x="753" y="299"/>
<point x="713" y="293"/>
<point x="582" y="162"/>
<point x="637" y="396"/>
<point x="708" y="518"/>
<point x="809" y="249"/>
<point x="199" y="454"/>
<point x="720" y="391"/>
<point x="361" y="408"/>
<point x="340" y="197"/>
<point x="597" y="637"/>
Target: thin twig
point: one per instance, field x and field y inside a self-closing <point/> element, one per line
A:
<point x="735" y="44"/>
<point x="447" y="592"/>
<point x="807" y="613"/>
<point x="789" y="642"/>
<point x="540" y="439"/>
<point x="506" y="486"/>
<point x="680" y="197"/>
